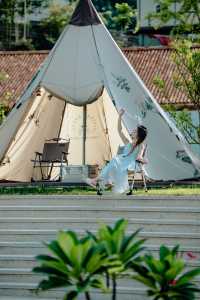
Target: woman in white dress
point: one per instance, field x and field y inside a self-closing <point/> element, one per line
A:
<point x="115" y="173"/>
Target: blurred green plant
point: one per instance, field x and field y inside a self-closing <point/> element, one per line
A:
<point x="75" y="264"/>
<point x="165" y="276"/>
<point x="120" y="249"/>
<point x="82" y="264"/>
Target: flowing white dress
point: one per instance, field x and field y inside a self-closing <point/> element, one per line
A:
<point x="116" y="171"/>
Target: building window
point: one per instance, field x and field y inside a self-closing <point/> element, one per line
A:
<point x="158" y="8"/>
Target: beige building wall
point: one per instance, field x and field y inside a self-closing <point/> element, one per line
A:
<point x="148" y="6"/>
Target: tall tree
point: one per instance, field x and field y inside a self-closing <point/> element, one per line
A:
<point x="187" y="62"/>
<point x="186" y="78"/>
<point x="123" y="17"/>
<point x="31" y="5"/>
<point x="121" y="21"/>
<point x="120" y="17"/>
<point x="53" y="24"/>
<point x="7" y="14"/>
<point x="9" y="10"/>
<point x="104" y="5"/>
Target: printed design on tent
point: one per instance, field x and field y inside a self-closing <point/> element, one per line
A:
<point x="148" y="106"/>
<point x="181" y="154"/>
<point x="121" y="82"/>
<point x="143" y="107"/>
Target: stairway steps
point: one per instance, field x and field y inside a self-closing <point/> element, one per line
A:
<point x="26" y="275"/>
<point x="185" y="226"/>
<point x="163" y="213"/>
<point x="29" y="261"/>
<point x="28" y="290"/>
<point x="92" y="201"/>
<point x="34" y="248"/>
<point x="27" y="221"/>
<point x="22" y="235"/>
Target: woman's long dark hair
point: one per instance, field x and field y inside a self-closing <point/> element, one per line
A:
<point x="141" y="134"/>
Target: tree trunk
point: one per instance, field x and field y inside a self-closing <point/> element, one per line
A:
<point x="107" y="280"/>
<point x="87" y="296"/>
<point x="114" y="289"/>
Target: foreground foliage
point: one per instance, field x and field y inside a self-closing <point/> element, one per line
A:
<point x="122" y="250"/>
<point x="165" y="276"/>
<point x="92" y="262"/>
<point x="76" y="264"/>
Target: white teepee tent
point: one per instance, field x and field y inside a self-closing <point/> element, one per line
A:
<point x="86" y="76"/>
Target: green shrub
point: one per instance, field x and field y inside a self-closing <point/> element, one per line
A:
<point x="165" y="277"/>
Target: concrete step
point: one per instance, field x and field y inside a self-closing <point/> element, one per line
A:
<point x="165" y="225"/>
<point x="24" y="298"/>
<point x="27" y="221"/>
<point x="26" y="275"/>
<point x="159" y="237"/>
<point x="28" y="290"/>
<point x="92" y="200"/>
<point x="137" y="212"/>
<point x="34" y="248"/>
<point x="28" y="261"/>
<point x="94" y="296"/>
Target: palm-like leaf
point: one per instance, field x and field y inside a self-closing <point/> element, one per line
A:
<point x="120" y="249"/>
<point x="165" y="277"/>
<point x="75" y="264"/>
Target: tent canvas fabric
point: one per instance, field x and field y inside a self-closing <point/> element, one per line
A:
<point x="48" y="117"/>
<point x="87" y="69"/>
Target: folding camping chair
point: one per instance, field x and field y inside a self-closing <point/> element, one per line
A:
<point x="139" y="168"/>
<point x="54" y="154"/>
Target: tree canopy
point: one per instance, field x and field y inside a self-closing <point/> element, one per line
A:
<point x="9" y="11"/>
<point x="104" y="5"/>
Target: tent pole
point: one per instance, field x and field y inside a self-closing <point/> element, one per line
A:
<point x="84" y="133"/>
<point x="107" y="133"/>
<point x="61" y="124"/>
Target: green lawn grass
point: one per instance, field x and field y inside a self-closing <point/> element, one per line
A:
<point x="176" y="190"/>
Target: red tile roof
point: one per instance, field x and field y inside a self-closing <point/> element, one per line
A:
<point x="156" y="62"/>
<point x="148" y="63"/>
<point x="20" y="67"/>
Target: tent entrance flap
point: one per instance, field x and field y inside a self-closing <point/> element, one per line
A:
<point x="42" y="122"/>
